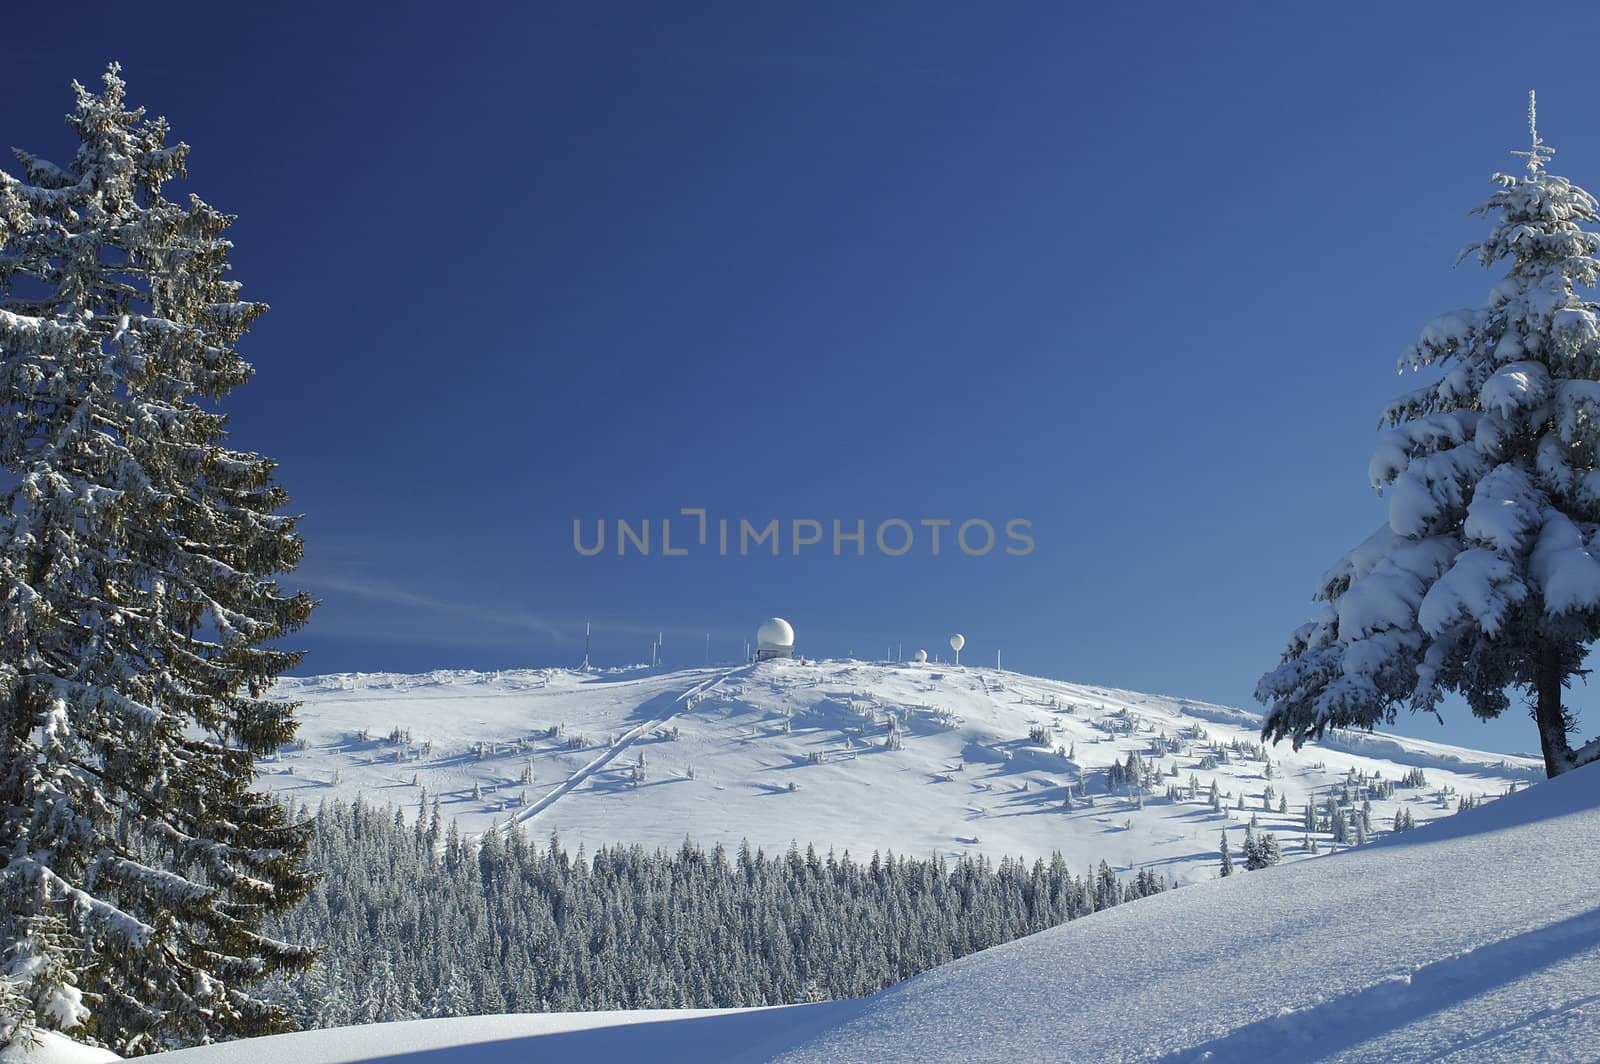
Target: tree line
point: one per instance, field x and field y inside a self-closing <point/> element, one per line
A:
<point x="416" y="920"/>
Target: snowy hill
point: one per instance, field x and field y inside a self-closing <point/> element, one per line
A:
<point x="918" y="759"/>
<point x="1475" y="939"/>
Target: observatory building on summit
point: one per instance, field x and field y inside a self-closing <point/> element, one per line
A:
<point x="774" y="639"/>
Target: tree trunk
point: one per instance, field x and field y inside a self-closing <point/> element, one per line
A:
<point x="1548" y="714"/>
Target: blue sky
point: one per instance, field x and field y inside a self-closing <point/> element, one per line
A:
<point x="1138" y="277"/>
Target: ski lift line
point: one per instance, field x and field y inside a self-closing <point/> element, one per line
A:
<point x="530" y="812"/>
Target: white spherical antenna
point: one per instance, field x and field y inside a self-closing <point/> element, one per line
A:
<point x="774" y="639"/>
<point x="921" y="655"/>
<point x="958" y="641"/>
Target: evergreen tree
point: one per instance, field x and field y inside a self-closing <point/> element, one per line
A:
<point x="1107" y="891"/>
<point x="1227" y="858"/>
<point x="1262" y="851"/>
<point x="1338" y="825"/>
<point x="1485" y="578"/>
<point x="137" y="608"/>
<point x="1248" y="850"/>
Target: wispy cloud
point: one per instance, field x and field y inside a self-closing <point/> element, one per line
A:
<point x="392" y="594"/>
<point x="439" y="616"/>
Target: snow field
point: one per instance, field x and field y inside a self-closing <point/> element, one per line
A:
<point x="917" y="759"/>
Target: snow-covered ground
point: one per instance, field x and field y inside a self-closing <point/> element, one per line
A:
<point x="1473" y="939"/>
<point x="789" y="752"/>
<point x="47" y="1047"/>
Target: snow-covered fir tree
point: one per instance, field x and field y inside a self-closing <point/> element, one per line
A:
<point x="1338" y="824"/>
<point x="137" y="608"/>
<point x="1261" y="851"/>
<point x="1485" y="577"/>
<point x="1225" y="868"/>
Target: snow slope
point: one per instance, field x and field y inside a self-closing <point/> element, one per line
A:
<point x="1473" y="939"/>
<point x="47" y="1047"/>
<point x="1476" y="939"/>
<point x="789" y="752"/>
<point x="656" y="1034"/>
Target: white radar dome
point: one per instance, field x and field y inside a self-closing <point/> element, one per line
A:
<point x="958" y="641"/>
<point x="921" y="655"/>
<point x="775" y="636"/>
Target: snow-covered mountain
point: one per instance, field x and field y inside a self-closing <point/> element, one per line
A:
<point x="914" y="758"/>
<point x="1473" y="939"/>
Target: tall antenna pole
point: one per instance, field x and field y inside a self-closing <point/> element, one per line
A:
<point x="585" y="646"/>
<point x="708" y="648"/>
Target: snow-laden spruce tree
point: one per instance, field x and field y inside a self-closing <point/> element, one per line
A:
<point x="137" y="609"/>
<point x="1485" y="580"/>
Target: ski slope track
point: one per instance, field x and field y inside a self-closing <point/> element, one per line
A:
<point x="1475" y="940"/>
<point x="851" y="756"/>
<point x="526" y="816"/>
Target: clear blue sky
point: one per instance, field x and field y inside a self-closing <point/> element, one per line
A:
<point x="1139" y="277"/>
